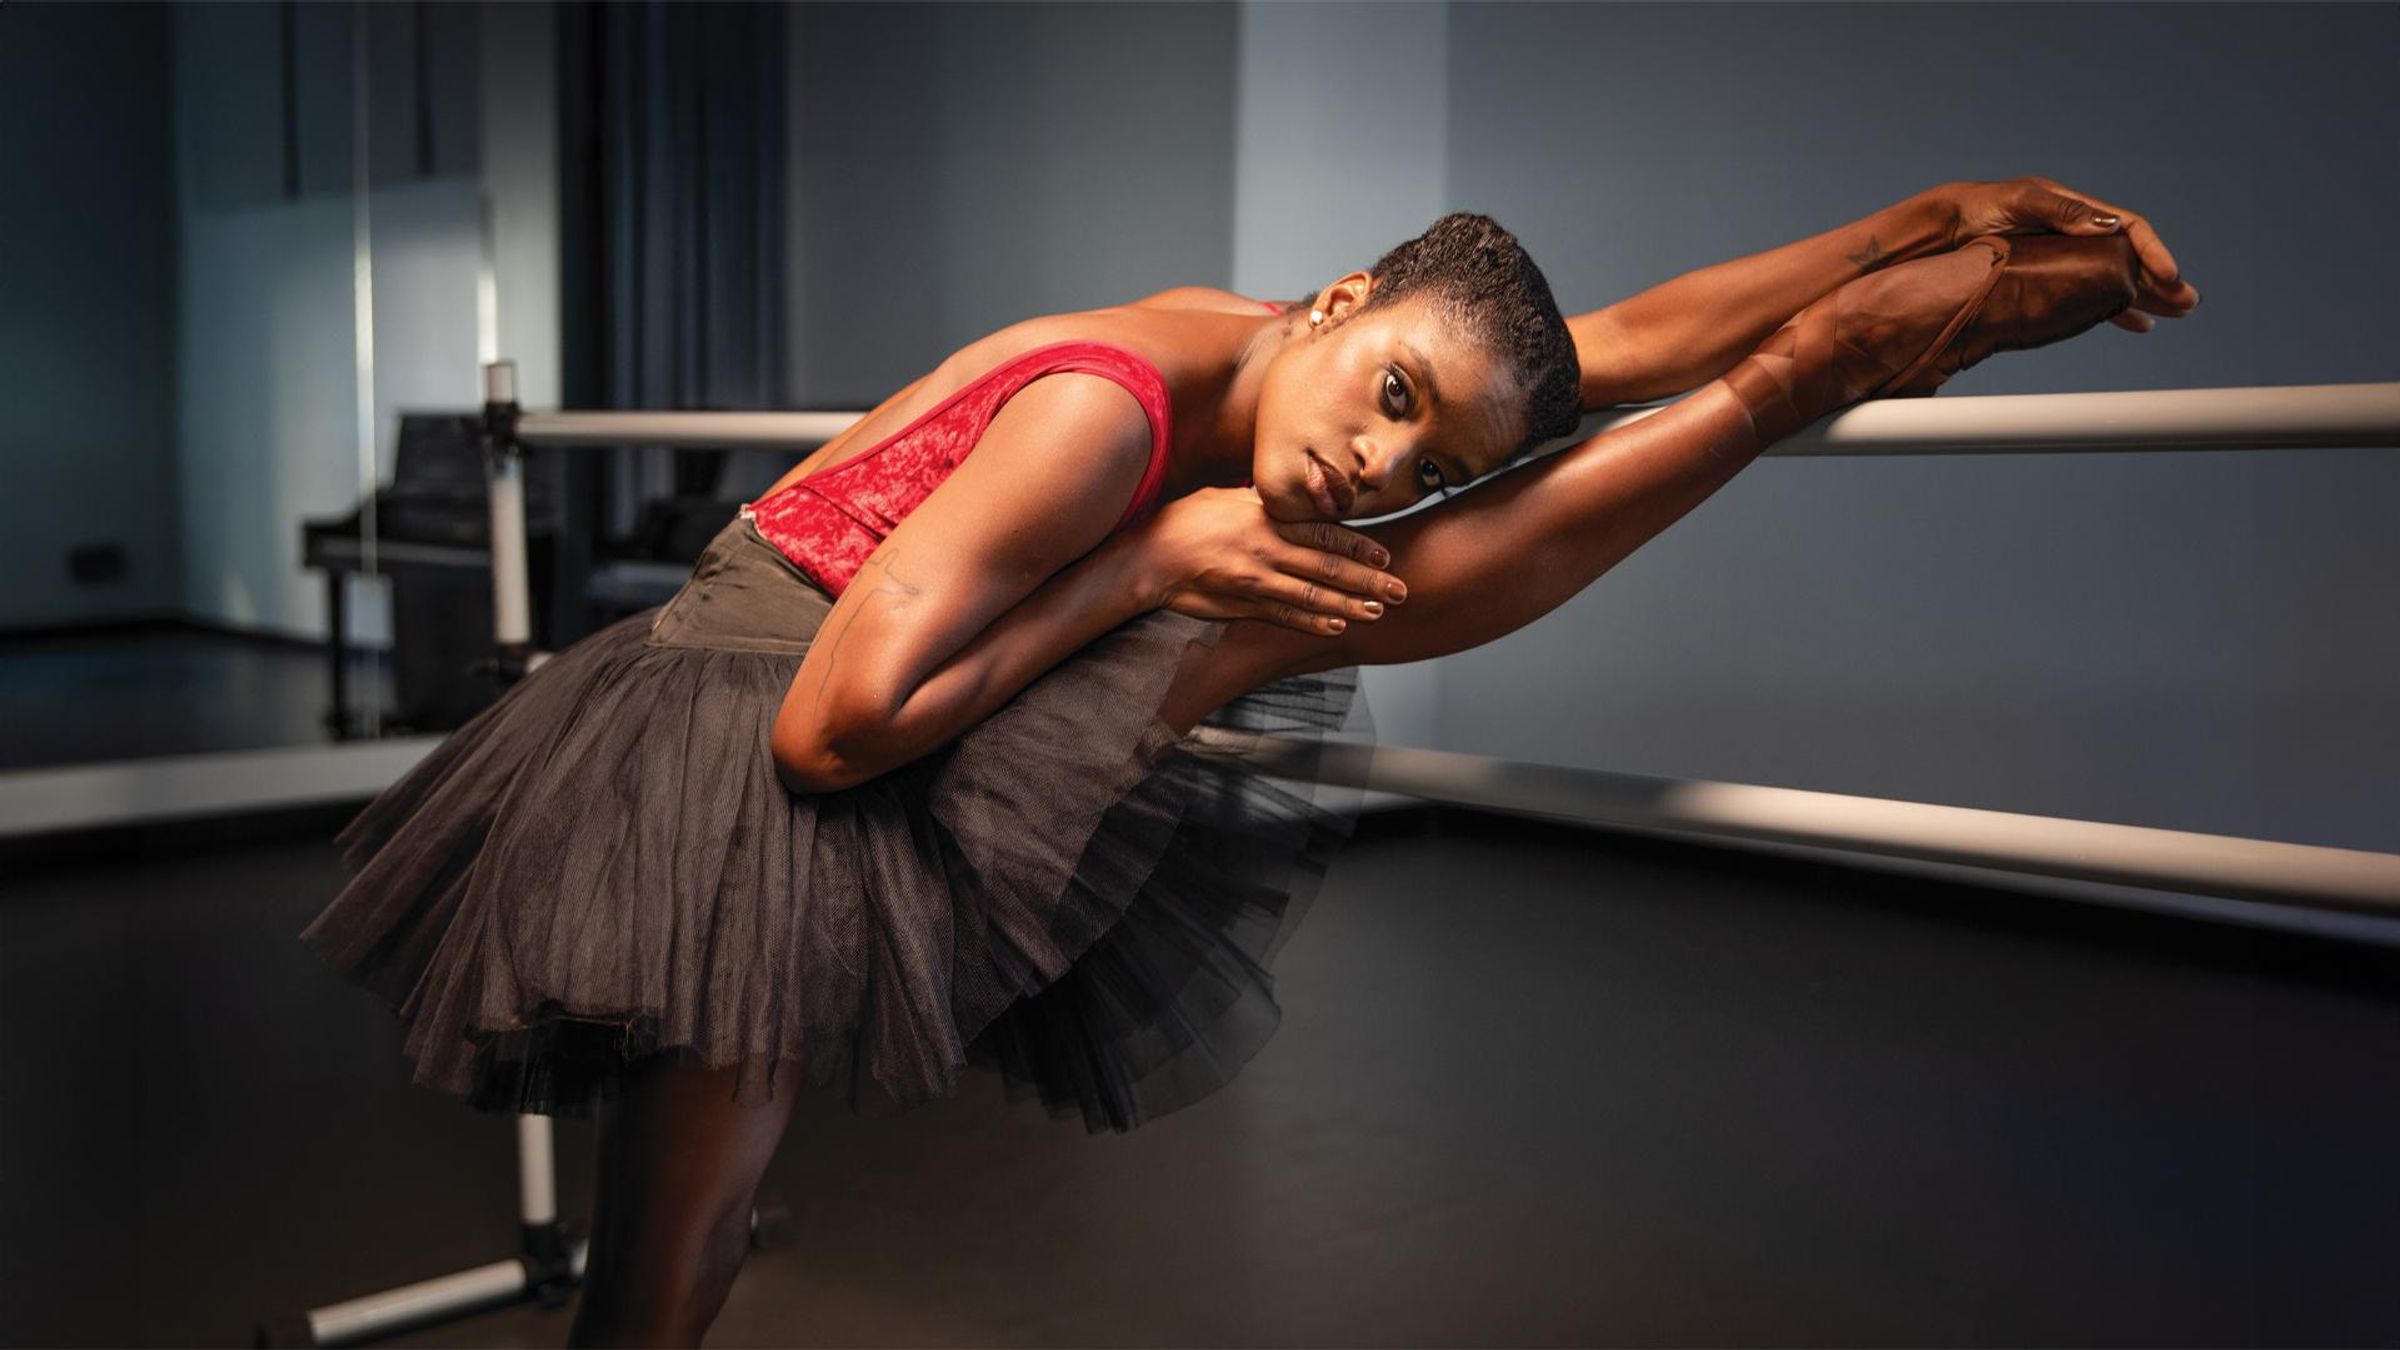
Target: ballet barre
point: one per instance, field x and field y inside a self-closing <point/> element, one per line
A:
<point x="2245" y="871"/>
<point x="2270" y="417"/>
<point x="2264" y="417"/>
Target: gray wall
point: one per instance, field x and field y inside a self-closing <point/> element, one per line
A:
<point x="2190" y="640"/>
<point x="87" y="309"/>
<point x="2199" y="641"/>
<point x="2183" y="640"/>
<point x="960" y="167"/>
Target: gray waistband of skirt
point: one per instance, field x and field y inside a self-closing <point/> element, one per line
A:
<point x="743" y="595"/>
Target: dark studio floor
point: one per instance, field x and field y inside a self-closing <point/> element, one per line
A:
<point x="1533" y="1087"/>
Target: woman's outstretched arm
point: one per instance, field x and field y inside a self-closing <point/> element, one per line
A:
<point x="1682" y="333"/>
<point x="1504" y="553"/>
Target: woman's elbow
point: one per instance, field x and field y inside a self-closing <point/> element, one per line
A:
<point x="805" y="771"/>
<point x="841" y="741"/>
<point x="819" y="759"/>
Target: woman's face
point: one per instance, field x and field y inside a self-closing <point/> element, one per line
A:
<point x="1373" y="410"/>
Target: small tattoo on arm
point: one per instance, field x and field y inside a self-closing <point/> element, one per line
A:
<point x="901" y="594"/>
<point x="1866" y="259"/>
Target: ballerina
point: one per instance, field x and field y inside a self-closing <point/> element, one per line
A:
<point x="901" y="780"/>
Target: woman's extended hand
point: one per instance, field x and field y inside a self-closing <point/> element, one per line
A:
<point x="1216" y="554"/>
<point x="2036" y="205"/>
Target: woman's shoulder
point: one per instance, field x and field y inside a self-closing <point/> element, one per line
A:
<point x="1202" y="297"/>
<point x="1150" y="334"/>
<point x="1155" y="336"/>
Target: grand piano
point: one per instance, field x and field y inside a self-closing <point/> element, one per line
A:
<point x="433" y="540"/>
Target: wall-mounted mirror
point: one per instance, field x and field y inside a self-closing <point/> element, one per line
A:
<point x="258" y="249"/>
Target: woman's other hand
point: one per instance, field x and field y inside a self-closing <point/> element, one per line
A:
<point x="1216" y="554"/>
<point x="2036" y="205"/>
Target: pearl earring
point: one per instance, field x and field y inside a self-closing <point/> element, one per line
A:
<point x="1315" y="317"/>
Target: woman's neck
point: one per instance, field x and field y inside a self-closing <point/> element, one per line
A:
<point x="1222" y="364"/>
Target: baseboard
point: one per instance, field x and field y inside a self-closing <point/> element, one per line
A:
<point x="215" y="786"/>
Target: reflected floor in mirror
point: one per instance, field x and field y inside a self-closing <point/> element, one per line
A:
<point x="170" y="690"/>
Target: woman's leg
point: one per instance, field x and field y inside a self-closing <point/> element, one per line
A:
<point x="1503" y="554"/>
<point x="680" y="1163"/>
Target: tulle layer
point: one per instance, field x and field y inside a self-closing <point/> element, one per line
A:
<point x="603" y="865"/>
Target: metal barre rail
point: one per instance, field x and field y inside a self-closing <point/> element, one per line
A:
<point x="2265" y="417"/>
<point x="2260" y="870"/>
<point x="2269" y="417"/>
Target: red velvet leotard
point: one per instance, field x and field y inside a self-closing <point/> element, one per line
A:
<point x="828" y="522"/>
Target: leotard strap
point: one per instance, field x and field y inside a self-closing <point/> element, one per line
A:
<point x="828" y="522"/>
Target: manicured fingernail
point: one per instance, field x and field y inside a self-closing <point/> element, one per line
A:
<point x="1379" y="557"/>
<point x="1396" y="591"/>
<point x="1374" y="607"/>
<point x="1338" y="625"/>
<point x="2105" y="222"/>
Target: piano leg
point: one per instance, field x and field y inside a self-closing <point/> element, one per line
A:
<point x="337" y="650"/>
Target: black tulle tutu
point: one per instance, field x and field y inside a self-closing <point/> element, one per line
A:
<point x="603" y="865"/>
